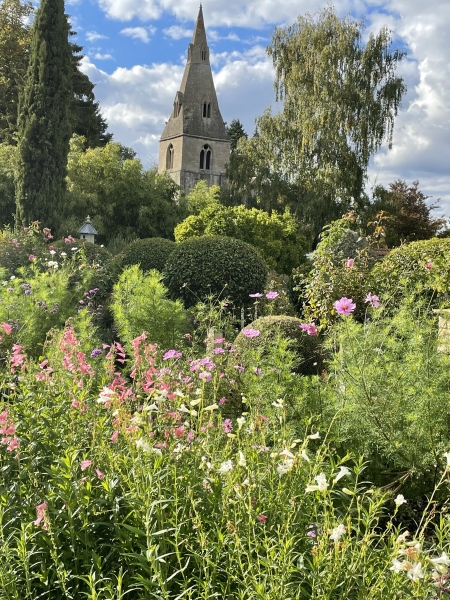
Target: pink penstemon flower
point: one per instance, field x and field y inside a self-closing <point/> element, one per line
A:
<point x="84" y="464"/>
<point x="40" y="510"/>
<point x="344" y="306"/>
<point x="262" y="518"/>
<point x="100" y="475"/>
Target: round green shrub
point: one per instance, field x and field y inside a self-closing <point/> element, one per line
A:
<point x="415" y="270"/>
<point x="149" y="253"/>
<point x="306" y="346"/>
<point x="216" y="265"/>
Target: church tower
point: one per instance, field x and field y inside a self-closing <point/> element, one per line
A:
<point x="194" y="144"/>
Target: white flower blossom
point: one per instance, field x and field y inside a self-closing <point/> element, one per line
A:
<point x="225" y="467"/>
<point x="278" y="403"/>
<point x="286" y="453"/>
<point x="195" y="402"/>
<point x="240" y="422"/>
<point x="305" y="456"/>
<point x="415" y="572"/>
<point x="143" y="445"/>
<point x="321" y="486"/>
<point x="211" y="407"/>
<point x="343" y="471"/>
<point x="397" y="565"/>
<point x="151" y="407"/>
<point x="314" y="436"/>
<point x="285" y="466"/>
<point x="447" y="457"/>
<point x="441" y="560"/>
<point x="400" y="500"/>
<point x="105" y="395"/>
<point x="242" y="462"/>
<point x="338" y="532"/>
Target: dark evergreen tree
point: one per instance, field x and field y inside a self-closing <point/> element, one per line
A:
<point x="44" y="118"/>
<point x="85" y="116"/>
<point x="236" y="132"/>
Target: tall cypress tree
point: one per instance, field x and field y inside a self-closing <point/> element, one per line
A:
<point x="43" y="123"/>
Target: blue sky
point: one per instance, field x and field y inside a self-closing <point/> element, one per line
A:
<point x="135" y="53"/>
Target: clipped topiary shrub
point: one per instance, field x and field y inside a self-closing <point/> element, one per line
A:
<point x="149" y="253"/>
<point x="206" y="265"/>
<point x="417" y="270"/>
<point x="307" y="346"/>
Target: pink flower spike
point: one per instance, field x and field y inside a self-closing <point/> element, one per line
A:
<point x="271" y="295"/>
<point x="344" y="306"/>
<point x="13" y="444"/>
<point x="84" y="464"/>
<point x="250" y="333"/>
<point x="262" y="518"/>
<point x="7" y="328"/>
<point x="40" y="510"/>
<point x="114" y="436"/>
<point x="372" y="300"/>
<point x="255" y="295"/>
<point x="100" y="475"/>
<point x="349" y="264"/>
<point x="310" y="328"/>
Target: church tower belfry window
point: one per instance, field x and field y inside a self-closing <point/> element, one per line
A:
<point x="169" y="157"/>
<point x="205" y="158"/>
<point x="204" y="53"/>
<point x="206" y="110"/>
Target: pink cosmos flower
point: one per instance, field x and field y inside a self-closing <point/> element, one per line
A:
<point x="31" y="257"/>
<point x="349" y="264"/>
<point x="222" y="401"/>
<point x="250" y="333"/>
<point x="40" y="510"/>
<point x="344" y="306"/>
<point x="255" y="295"/>
<point x="84" y="464"/>
<point x="206" y="375"/>
<point x="219" y="340"/>
<point x="372" y="300"/>
<point x="271" y="295"/>
<point x="429" y="265"/>
<point x="262" y="518"/>
<point x="100" y="475"/>
<point x="310" y="328"/>
<point x="172" y="354"/>
<point x="218" y="351"/>
<point x="6" y="327"/>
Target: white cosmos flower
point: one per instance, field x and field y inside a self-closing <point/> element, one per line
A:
<point x="338" y="532"/>
<point x="285" y="466"/>
<point x="400" y="500"/>
<point x="343" y="471"/>
<point x="240" y="422"/>
<point x="314" y="436"/>
<point x="415" y="572"/>
<point x="242" y="462"/>
<point x="225" y="467"/>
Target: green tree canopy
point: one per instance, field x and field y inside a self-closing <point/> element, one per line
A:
<point x="408" y="217"/>
<point x="340" y="97"/>
<point x="235" y="132"/>
<point x="120" y="196"/>
<point x="276" y="236"/>
<point x="44" y="124"/>
<point x="15" y="45"/>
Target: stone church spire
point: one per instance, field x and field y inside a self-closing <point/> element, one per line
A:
<point x="194" y="144"/>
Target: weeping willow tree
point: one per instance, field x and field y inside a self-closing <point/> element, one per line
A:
<point x="340" y="96"/>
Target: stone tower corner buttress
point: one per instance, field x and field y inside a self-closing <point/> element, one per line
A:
<point x="194" y="144"/>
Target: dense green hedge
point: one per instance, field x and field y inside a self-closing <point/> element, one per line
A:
<point x="149" y="253"/>
<point x="306" y="346"/>
<point x="214" y="265"/>
<point x="418" y="269"/>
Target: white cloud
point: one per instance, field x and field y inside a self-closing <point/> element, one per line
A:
<point x="176" y="32"/>
<point x="92" y="36"/>
<point x="139" y="33"/>
<point x="99" y="56"/>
